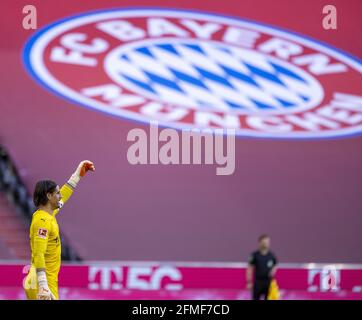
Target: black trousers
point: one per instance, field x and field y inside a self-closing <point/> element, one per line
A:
<point x="261" y="288"/>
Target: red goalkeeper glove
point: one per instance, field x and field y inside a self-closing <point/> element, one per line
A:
<point x="82" y="169"/>
<point x="85" y="166"/>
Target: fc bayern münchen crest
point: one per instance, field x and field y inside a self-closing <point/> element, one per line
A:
<point x="189" y="69"/>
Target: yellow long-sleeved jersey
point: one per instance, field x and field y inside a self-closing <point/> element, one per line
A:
<point x="45" y="240"/>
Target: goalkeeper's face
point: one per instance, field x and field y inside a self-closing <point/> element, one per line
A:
<point x="54" y="198"/>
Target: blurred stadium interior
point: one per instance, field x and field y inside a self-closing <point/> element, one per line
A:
<point x="178" y="232"/>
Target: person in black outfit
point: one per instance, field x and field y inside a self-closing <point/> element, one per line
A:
<point x="263" y="264"/>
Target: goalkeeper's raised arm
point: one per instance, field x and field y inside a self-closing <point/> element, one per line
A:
<point x="67" y="189"/>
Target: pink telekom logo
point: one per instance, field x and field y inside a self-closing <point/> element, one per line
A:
<point x="189" y="69"/>
<point x="142" y="278"/>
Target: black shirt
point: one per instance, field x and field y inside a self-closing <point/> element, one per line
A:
<point x="263" y="264"/>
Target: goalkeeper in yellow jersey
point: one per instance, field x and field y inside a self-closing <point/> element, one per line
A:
<point x="41" y="283"/>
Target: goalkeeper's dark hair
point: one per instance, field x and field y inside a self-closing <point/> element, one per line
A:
<point x="42" y="188"/>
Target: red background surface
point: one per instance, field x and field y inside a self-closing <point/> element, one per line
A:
<point x="305" y="194"/>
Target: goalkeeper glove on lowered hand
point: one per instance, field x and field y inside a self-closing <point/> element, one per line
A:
<point x="44" y="292"/>
<point x="82" y="169"/>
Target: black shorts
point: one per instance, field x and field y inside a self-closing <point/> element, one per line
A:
<point x="261" y="288"/>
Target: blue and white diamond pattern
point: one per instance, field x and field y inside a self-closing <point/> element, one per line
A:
<point x="212" y="75"/>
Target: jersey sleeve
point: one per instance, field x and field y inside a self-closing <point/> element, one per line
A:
<point x="251" y="259"/>
<point x="66" y="191"/>
<point x="41" y="230"/>
<point x="275" y="260"/>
